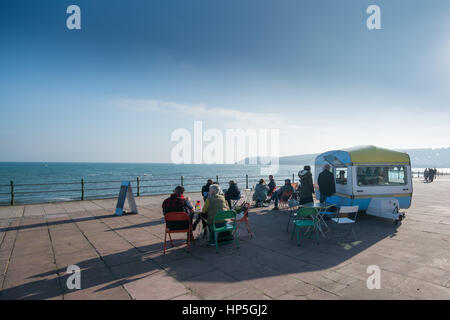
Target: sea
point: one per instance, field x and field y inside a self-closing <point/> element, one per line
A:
<point x="39" y="182"/>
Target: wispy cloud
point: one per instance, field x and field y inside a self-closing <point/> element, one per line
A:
<point x="232" y="118"/>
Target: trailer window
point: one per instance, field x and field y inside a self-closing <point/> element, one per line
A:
<point x="341" y="175"/>
<point x="381" y="176"/>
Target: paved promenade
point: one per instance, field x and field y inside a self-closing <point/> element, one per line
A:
<point x="121" y="257"/>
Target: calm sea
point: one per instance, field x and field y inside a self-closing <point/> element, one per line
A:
<point x="47" y="182"/>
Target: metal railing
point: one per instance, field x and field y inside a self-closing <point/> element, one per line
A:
<point x="23" y="193"/>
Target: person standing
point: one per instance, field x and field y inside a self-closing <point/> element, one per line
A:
<point x="327" y="186"/>
<point x="306" y="187"/>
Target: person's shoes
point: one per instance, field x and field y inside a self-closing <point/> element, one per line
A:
<point x="275" y="208"/>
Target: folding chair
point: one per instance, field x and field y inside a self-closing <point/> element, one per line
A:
<point x="235" y="201"/>
<point x="305" y="218"/>
<point x="343" y="218"/>
<point x="293" y="205"/>
<point x="285" y="196"/>
<point x="244" y="219"/>
<point x="177" y="217"/>
<point x="229" y="226"/>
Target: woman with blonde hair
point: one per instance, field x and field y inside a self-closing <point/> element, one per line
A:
<point x="214" y="204"/>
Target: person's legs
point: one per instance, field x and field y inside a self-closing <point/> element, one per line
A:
<point x="323" y="198"/>
<point x="275" y="197"/>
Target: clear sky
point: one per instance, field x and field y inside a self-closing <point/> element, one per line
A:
<point x="137" y="70"/>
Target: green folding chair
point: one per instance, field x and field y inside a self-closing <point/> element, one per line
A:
<point x="229" y="226"/>
<point x="305" y="218"/>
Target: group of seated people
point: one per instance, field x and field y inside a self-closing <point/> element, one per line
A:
<point x="214" y="202"/>
<point x="304" y="192"/>
<point x="266" y="193"/>
<point x="232" y="193"/>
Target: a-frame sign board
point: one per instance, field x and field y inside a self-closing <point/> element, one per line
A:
<point x="125" y="192"/>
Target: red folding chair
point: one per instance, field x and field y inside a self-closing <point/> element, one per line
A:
<point x="244" y="219"/>
<point x="177" y="217"/>
<point x="284" y="199"/>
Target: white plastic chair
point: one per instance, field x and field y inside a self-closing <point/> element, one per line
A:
<point x="346" y="220"/>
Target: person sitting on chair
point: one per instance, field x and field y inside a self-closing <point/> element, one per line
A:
<point x="214" y="204"/>
<point x="272" y="185"/>
<point x="178" y="203"/>
<point x="260" y="194"/>
<point x="279" y="192"/>
<point x="205" y="189"/>
<point x="232" y="193"/>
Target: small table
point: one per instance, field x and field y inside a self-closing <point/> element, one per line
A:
<point x="320" y="207"/>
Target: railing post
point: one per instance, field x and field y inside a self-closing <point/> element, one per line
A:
<point x="12" y="192"/>
<point x="137" y="182"/>
<point x="182" y="180"/>
<point x="246" y="181"/>
<point x="217" y="179"/>
<point x="82" y="189"/>
<point x="293" y="180"/>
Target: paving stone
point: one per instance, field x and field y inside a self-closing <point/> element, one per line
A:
<point x="84" y="259"/>
<point x="43" y="288"/>
<point x="188" y="296"/>
<point x="424" y="290"/>
<point x="215" y="285"/>
<point x="249" y="294"/>
<point x="159" y="286"/>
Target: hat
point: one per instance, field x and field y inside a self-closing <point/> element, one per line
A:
<point x="302" y="173"/>
<point x="307" y="168"/>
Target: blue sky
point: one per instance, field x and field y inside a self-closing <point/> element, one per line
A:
<point x="137" y="70"/>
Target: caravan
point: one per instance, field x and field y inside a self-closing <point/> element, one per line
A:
<point x="377" y="180"/>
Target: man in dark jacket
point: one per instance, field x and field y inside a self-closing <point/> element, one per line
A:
<point x="205" y="189"/>
<point x="306" y="187"/>
<point x="327" y="186"/>
<point x="232" y="193"/>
